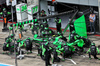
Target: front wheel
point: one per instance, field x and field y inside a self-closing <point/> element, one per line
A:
<point x="40" y="52"/>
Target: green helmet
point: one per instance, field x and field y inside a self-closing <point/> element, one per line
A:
<point x="28" y="38"/>
<point x="92" y="44"/>
<point x="45" y="22"/>
<point x="46" y="28"/>
<point x="4" y="9"/>
<point x="73" y="31"/>
<point x="18" y="40"/>
<point x="59" y="33"/>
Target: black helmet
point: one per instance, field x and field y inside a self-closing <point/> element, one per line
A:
<point x="42" y="10"/>
<point x="56" y="18"/>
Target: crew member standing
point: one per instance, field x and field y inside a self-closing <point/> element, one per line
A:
<point x="58" y="24"/>
<point x="43" y="14"/>
<point x="47" y="56"/>
<point x="5" y="19"/>
<point x="92" y="19"/>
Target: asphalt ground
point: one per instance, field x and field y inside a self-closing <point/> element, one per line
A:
<point x="34" y="60"/>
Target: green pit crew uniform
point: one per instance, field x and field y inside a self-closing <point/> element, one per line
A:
<point x="58" y="25"/>
<point x="93" y="50"/>
<point x="5" y="19"/>
<point x="35" y="27"/>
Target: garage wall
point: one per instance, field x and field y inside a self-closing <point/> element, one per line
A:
<point x="32" y="2"/>
<point x="44" y="6"/>
<point x="65" y="20"/>
<point x="99" y="15"/>
<point x="81" y="2"/>
<point x="2" y="1"/>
